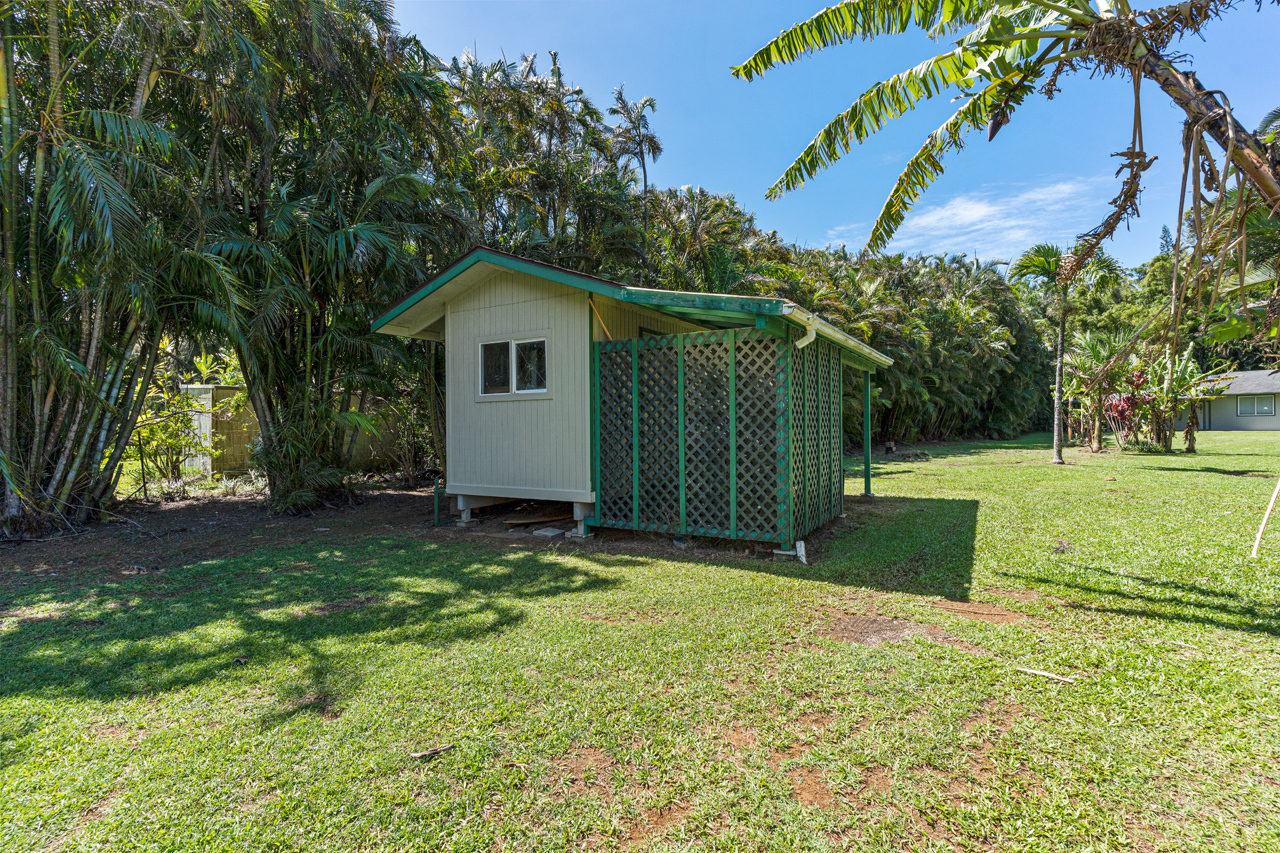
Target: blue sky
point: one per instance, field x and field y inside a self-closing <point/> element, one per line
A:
<point x="1047" y="177"/>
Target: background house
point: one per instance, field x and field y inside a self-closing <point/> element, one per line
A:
<point x="1248" y="402"/>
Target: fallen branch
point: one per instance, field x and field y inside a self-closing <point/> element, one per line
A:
<point x="432" y="752"/>
<point x="1065" y="679"/>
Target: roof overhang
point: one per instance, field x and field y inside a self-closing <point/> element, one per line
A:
<point x="419" y="314"/>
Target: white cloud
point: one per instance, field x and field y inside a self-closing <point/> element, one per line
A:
<point x="999" y="222"/>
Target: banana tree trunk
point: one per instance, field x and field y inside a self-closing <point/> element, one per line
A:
<point x="1203" y="108"/>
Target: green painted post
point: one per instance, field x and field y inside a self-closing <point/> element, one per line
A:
<point x="684" y="517"/>
<point x="635" y="433"/>
<point x="733" y="435"/>
<point x="866" y="433"/>
<point x="435" y="495"/>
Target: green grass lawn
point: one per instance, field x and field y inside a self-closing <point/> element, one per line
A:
<point x="599" y="701"/>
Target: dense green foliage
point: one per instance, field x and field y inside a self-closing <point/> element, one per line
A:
<point x="261" y="179"/>
<point x="267" y="693"/>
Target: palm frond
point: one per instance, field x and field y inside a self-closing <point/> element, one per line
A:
<point x="858" y="19"/>
<point x="867" y="115"/>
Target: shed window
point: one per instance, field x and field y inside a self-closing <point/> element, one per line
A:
<point x="513" y="366"/>
<point x="495" y="368"/>
<point x="531" y="366"/>
<point x="1259" y="404"/>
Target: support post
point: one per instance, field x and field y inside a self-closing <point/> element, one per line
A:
<point x="866" y="433"/>
<point x="733" y="434"/>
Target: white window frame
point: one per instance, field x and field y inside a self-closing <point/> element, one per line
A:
<point x="511" y="341"/>
<point x="1271" y="398"/>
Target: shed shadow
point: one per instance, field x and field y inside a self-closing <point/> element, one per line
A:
<point x="923" y="546"/>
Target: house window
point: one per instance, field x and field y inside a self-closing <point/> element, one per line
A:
<point x="1256" y="405"/>
<point x="513" y="367"/>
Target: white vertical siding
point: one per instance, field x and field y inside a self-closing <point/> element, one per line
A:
<point x="534" y="447"/>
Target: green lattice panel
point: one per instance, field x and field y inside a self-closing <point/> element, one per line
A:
<point x="659" y="484"/>
<point x="761" y="401"/>
<point x="706" y="431"/>
<point x="762" y="434"/>
<point x="614" y="399"/>
<point x="817" y="481"/>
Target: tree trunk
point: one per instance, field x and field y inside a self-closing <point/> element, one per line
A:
<point x="644" y="205"/>
<point x="1057" y="382"/>
<point x="1199" y="104"/>
<point x="1095" y="438"/>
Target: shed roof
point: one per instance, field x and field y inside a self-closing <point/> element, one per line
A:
<point x="1251" y="382"/>
<point x="425" y="306"/>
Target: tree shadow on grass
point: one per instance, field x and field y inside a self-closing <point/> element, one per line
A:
<point x="923" y="546"/>
<point x="203" y="621"/>
<point x="1230" y="472"/>
<point x="1166" y="600"/>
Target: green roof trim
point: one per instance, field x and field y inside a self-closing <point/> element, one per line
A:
<point x="719" y="306"/>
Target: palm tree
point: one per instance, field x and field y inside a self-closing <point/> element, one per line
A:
<point x="1092" y="375"/>
<point x="1005" y="51"/>
<point x="634" y="138"/>
<point x="1038" y="266"/>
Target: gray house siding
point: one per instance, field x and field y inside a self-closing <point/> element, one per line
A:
<point x="1222" y="414"/>
<point x="535" y="446"/>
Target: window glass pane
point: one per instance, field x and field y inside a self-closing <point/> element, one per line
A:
<point x="531" y="366"/>
<point x="1266" y="405"/>
<point x="1246" y="405"/>
<point x="495" y="368"/>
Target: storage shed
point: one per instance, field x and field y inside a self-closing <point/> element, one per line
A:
<point x="685" y="413"/>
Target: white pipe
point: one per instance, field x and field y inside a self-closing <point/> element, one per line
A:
<point x="812" y="333"/>
<point x="1258" y="541"/>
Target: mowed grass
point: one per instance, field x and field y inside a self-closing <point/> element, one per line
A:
<point x="601" y="701"/>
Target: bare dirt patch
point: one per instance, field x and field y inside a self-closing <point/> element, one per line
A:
<point x="815" y="721"/>
<point x="1022" y="596"/>
<point x="585" y="769"/>
<point x="123" y="734"/>
<point x="873" y="629"/>
<point x="656" y="821"/>
<point x="795" y="750"/>
<point x="354" y="603"/>
<point x="633" y="617"/>
<point x="981" y="611"/>
<point x="95" y="812"/>
<point x="869" y="629"/>
<point x="741" y="736"/>
<point x="810" y="788"/>
<point x="321" y="704"/>
<point x="876" y="782"/>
